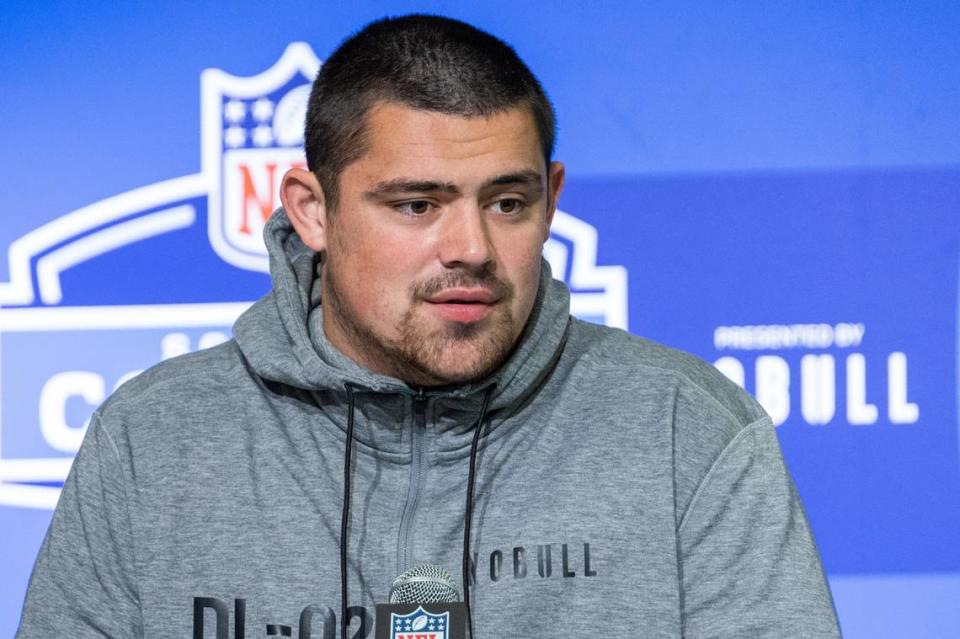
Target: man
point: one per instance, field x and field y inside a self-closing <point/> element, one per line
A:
<point x="574" y="478"/>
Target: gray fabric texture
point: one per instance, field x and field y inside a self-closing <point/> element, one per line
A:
<point x="623" y="489"/>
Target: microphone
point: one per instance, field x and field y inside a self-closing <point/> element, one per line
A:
<point x="425" y="583"/>
<point x="424" y="604"/>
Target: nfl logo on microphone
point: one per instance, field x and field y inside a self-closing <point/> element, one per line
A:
<point x="419" y="624"/>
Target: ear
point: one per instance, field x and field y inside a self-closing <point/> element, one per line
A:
<point x="554" y="187"/>
<point x="305" y="205"/>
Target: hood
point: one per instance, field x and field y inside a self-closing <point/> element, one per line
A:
<point x="282" y="338"/>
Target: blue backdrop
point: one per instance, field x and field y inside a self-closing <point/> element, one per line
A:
<point x="774" y="187"/>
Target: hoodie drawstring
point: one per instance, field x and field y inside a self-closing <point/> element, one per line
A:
<point x="468" y="515"/>
<point x="467" y="519"/>
<point x="345" y="517"/>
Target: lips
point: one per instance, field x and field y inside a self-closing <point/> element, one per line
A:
<point x="463" y="305"/>
<point x="464" y="296"/>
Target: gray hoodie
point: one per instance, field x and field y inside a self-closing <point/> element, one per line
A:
<point x="623" y="489"/>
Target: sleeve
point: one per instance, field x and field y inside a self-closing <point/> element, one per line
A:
<point x="84" y="581"/>
<point x="749" y="565"/>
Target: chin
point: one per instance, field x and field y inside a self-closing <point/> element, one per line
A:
<point x="460" y="372"/>
<point x="458" y="366"/>
<point x="457" y="353"/>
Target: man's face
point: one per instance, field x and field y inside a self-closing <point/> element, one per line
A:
<point x="433" y="256"/>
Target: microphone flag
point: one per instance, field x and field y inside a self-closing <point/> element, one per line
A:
<point x="442" y="620"/>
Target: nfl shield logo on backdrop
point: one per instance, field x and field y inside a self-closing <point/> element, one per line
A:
<point x="419" y="624"/>
<point x="252" y="132"/>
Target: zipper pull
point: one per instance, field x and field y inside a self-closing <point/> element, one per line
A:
<point x="420" y="408"/>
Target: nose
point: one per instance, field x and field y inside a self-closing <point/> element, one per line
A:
<point x="465" y="238"/>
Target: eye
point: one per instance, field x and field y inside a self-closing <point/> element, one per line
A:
<point x="414" y="208"/>
<point x="509" y="206"/>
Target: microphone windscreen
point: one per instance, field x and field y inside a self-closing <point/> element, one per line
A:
<point x="424" y="584"/>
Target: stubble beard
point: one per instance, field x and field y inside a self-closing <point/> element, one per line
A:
<point x="423" y="355"/>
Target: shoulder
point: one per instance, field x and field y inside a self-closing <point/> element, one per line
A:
<point x="642" y="364"/>
<point x="190" y="383"/>
<point x="688" y="405"/>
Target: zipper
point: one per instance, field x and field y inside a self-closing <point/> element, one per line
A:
<point x="417" y="471"/>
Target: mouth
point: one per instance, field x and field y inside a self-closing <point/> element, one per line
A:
<point x="463" y="305"/>
<point x="464" y="296"/>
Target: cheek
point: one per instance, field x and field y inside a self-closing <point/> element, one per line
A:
<point x="525" y="274"/>
<point x="372" y="267"/>
<point x="532" y="281"/>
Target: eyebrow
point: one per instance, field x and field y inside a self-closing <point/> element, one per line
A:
<point x="527" y="177"/>
<point x="403" y="185"/>
<point x="400" y="186"/>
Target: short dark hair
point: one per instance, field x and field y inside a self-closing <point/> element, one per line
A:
<point x="421" y="61"/>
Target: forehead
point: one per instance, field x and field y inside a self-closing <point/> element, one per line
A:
<point x="415" y="142"/>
